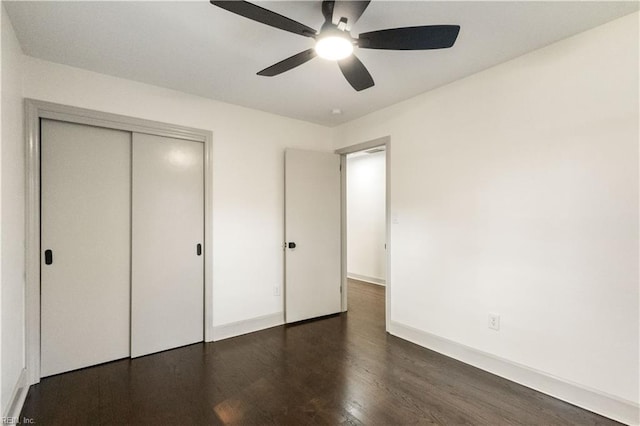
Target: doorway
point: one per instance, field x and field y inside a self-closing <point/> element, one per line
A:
<point x="365" y="217"/>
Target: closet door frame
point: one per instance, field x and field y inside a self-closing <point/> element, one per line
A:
<point x="36" y="110"/>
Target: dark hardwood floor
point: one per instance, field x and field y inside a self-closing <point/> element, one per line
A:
<point x="338" y="370"/>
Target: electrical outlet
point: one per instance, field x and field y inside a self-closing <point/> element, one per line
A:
<point x="494" y="321"/>
<point x="276" y="290"/>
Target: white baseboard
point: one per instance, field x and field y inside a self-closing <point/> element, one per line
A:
<point x="250" y="325"/>
<point x="590" y="399"/>
<point x="372" y="280"/>
<point x="18" y="396"/>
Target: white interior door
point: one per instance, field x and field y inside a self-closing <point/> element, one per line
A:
<point x="312" y="223"/>
<point x="167" y="277"/>
<point x="85" y="242"/>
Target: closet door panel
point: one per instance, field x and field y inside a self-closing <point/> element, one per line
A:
<point x="167" y="226"/>
<point x="85" y="224"/>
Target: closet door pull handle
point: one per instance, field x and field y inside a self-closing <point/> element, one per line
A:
<point x="199" y="249"/>
<point x="48" y="257"/>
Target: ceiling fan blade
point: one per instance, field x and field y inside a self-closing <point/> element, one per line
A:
<point x="355" y="73"/>
<point x="289" y="63"/>
<point x="352" y="10"/>
<point x="262" y="15"/>
<point x="411" y="38"/>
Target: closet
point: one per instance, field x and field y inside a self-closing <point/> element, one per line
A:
<point x="122" y="225"/>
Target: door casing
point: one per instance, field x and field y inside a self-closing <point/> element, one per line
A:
<point x="386" y="142"/>
<point x="34" y="111"/>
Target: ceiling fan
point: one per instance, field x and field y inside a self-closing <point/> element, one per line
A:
<point x="335" y="42"/>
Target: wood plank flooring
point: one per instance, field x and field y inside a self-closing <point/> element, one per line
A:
<point x="340" y="370"/>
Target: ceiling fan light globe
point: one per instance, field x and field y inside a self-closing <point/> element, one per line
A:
<point x="334" y="48"/>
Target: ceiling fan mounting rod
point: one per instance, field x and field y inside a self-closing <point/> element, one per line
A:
<point x="327" y="10"/>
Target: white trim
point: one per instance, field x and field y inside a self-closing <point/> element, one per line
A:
<point x="590" y="399"/>
<point x="233" y="329"/>
<point x="344" y="285"/>
<point x="386" y="142"/>
<point x="32" y="244"/>
<point x="34" y="111"/>
<point x="363" y="146"/>
<point x="365" y="278"/>
<point x="18" y="396"/>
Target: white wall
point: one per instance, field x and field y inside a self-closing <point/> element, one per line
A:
<point x="366" y="227"/>
<point x="516" y="192"/>
<point x="12" y="208"/>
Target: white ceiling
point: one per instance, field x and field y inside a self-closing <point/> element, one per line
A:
<point x="198" y="48"/>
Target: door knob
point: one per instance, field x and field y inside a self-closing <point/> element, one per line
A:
<point x="292" y="245"/>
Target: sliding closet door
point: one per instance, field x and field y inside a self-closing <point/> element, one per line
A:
<point x="85" y="242"/>
<point x="167" y="280"/>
